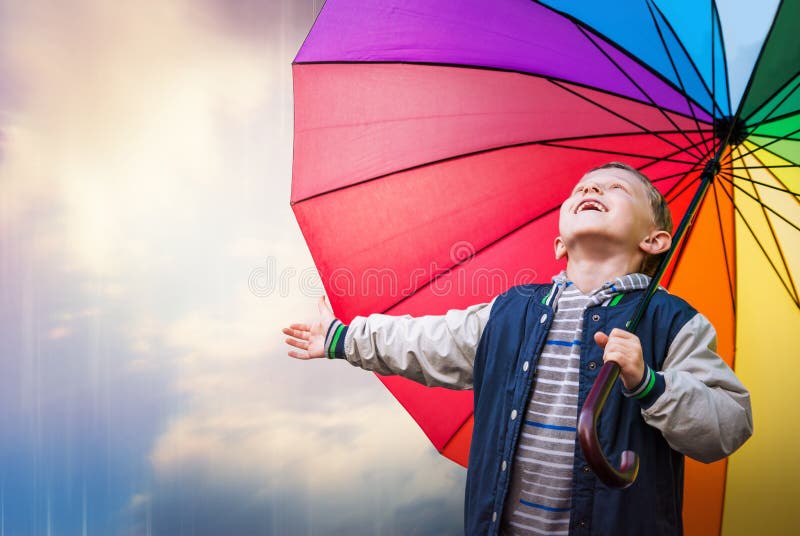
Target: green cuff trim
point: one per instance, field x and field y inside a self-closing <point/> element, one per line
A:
<point x="332" y="349"/>
<point x="649" y="387"/>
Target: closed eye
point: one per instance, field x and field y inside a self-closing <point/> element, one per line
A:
<point x="618" y="186"/>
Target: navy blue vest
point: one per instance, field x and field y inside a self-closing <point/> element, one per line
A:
<point x="514" y="335"/>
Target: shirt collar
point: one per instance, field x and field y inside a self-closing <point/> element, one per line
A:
<point x="607" y="290"/>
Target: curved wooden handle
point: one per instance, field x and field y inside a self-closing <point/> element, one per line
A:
<point x="587" y="434"/>
<point x="587" y="420"/>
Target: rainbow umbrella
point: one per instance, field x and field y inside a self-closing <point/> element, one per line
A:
<point x="435" y="141"/>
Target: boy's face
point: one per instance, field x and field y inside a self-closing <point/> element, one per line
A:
<point x="609" y="205"/>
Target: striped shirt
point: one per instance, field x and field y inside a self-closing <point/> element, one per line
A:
<point x="540" y="491"/>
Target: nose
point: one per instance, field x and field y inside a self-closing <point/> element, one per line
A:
<point x="591" y="187"/>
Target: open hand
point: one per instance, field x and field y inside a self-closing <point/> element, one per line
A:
<point x="623" y="348"/>
<point x="310" y="339"/>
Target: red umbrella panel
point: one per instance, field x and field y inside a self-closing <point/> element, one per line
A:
<point x="452" y="197"/>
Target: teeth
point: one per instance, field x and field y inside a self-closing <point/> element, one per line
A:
<point x="591" y="205"/>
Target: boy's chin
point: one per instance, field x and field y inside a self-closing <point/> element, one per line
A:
<point x="591" y="231"/>
<point x="599" y="239"/>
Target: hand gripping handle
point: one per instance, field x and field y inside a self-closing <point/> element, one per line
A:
<point x="587" y="434"/>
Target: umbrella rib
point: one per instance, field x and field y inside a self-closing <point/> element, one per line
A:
<point x="472" y="256"/>
<point x="654" y="160"/>
<point x="787" y="115"/>
<point x="724" y="248"/>
<point x="667" y="177"/>
<point x="671" y="155"/>
<point x="764" y="209"/>
<point x="785" y="137"/>
<point x="766" y="255"/>
<point x="670" y="176"/>
<point x="758" y="200"/>
<point x="466" y="155"/>
<point x="644" y="129"/>
<point x="757" y="64"/>
<point x="513" y="71"/>
<point x="715" y="14"/>
<point x="632" y="122"/>
<point x="749" y="152"/>
<point x="631" y="80"/>
<point x="767" y="118"/>
<point x="714" y="76"/>
<point x="764" y="166"/>
<point x="618" y="153"/>
<point x="671" y="196"/>
<point x="583" y="24"/>
<point x="775" y="139"/>
<point x="652" y="6"/>
<point x="784" y="190"/>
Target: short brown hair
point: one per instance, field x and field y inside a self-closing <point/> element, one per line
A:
<point x="662" y="217"/>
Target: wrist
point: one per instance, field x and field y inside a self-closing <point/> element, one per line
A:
<point x="649" y="388"/>
<point x="334" y="340"/>
<point x="636" y="378"/>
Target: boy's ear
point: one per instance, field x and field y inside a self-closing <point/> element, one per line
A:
<point x="560" y="248"/>
<point x="656" y="242"/>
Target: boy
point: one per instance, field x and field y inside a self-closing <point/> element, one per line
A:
<point x="531" y="356"/>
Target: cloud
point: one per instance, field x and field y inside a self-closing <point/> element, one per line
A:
<point x="123" y="124"/>
<point x="267" y="429"/>
<point x="146" y="163"/>
<point x="339" y="470"/>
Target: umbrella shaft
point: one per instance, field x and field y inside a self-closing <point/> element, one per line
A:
<point x="706" y="178"/>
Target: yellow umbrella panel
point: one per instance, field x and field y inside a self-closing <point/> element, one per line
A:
<point x="739" y="267"/>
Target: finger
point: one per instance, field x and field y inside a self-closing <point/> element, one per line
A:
<point x="296" y="333"/>
<point x="621" y="333"/>
<point x="601" y="339"/>
<point x="303" y="345"/>
<point x="298" y="355"/>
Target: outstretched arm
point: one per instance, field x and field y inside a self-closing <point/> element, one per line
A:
<point x="436" y="350"/>
<point x="432" y="350"/>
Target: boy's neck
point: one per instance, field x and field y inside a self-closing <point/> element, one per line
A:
<point x="590" y="274"/>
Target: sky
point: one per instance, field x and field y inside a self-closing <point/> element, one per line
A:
<point x="149" y="258"/>
<point x="146" y="167"/>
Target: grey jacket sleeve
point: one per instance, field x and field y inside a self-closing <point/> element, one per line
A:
<point x="432" y="350"/>
<point x="704" y="411"/>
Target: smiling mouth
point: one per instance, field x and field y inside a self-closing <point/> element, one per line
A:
<point x="590" y="204"/>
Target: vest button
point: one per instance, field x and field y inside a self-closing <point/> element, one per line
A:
<point x="596" y="317"/>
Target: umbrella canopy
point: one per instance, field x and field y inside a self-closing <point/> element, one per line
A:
<point x="435" y="141"/>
